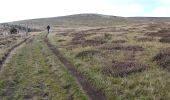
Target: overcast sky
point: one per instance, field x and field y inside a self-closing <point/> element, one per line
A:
<point x="11" y="10"/>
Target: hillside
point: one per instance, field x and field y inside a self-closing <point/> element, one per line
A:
<point x="87" y="57"/>
<point x="89" y="20"/>
<point x="75" y="20"/>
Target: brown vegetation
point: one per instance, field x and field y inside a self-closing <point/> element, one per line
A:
<point x="123" y="68"/>
<point x="160" y="33"/>
<point x="93" y="42"/>
<point x="165" y="40"/>
<point x="163" y="58"/>
<point x="82" y="41"/>
<point x="119" y="41"/>
<point x="87" y="53"/>
<point x="144" y="39"/>
<point x="112" y="46"/>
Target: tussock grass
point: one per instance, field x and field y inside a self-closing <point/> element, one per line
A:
<point x="151" y="83"/>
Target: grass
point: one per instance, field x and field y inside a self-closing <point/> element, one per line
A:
<point x="6" y="45"/>
<point x="152" y="83"/>
<point x="35" y="73"/>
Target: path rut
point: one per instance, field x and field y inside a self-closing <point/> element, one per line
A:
<point x="5" y="57"/>
<point x="91" y="92"/>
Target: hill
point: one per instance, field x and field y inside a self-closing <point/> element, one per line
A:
<point x="75" y="20"/>
<point x="89" y="20"/>
<point x="121" y="58"/>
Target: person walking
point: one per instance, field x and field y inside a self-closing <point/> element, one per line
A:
<point x="48" y="28"/>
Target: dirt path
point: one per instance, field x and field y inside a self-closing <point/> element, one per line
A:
<point x="6" y="56"/>
<point x="91" y="92"/>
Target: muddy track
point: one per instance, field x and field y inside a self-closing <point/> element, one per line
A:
<point x="91" y="92"/>
<point x="4" y="58"/>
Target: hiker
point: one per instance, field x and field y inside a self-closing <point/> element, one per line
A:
<point x="48" y="28"/>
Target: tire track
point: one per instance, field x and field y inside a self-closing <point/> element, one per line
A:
<point x="6" y="55"/>
<point x="91" y="92"/>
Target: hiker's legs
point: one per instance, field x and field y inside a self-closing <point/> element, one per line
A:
<point x="48" y="30"/>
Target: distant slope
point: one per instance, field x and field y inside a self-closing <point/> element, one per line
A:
<point x="89" y="20"/>
<point x="76" y="20"/>
<point x="148" y="19"/>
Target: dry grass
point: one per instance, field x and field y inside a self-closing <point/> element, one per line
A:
<point x="132" y="54"/>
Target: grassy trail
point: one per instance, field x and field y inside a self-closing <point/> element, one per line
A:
<point x="34" y="73"/>
<point x="92" y="93"/>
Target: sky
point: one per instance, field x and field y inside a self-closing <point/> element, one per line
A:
<point x="13" y="10"/>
